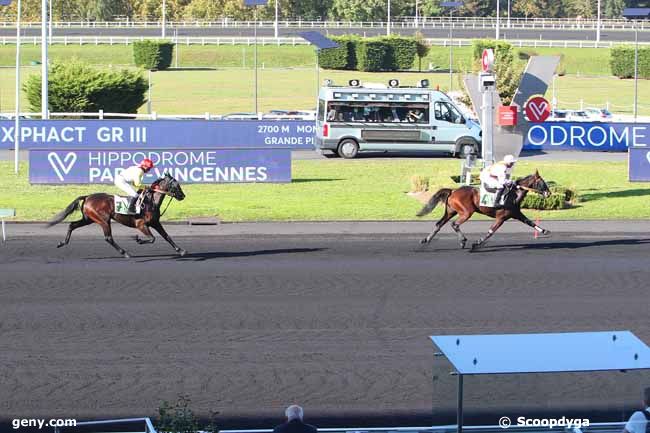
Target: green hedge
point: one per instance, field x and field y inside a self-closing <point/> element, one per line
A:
<point x="343" y="57"/>
<point x="478" y="45"/>
<point x="401" y="53"/>
<point x="371" y="55"/>
<point x="79" y="88"/>
<point x="622" y="62"/>
<point x="394" y="53"/>
<point x="153" y="55"/>
<point x="560" y="198"/>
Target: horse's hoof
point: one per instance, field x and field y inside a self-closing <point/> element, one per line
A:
<point x="475" y="246"/>
<point x="181" y="252"/>
<point x="546" y="233"/>
<point x="463" y="244"/>
<point x="61" y="244"/>
<point x="126" y="255"/>
<point x="424" y="241"/>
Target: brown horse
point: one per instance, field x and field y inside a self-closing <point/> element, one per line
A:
<point x="100" y="209"/>
<point x="464" y="202"/>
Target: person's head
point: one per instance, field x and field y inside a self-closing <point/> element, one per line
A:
<point x="646" y="397"/>
<point x="146" y="165"/>
<point x="509" y="160"/>
<point x="294" y="412"/>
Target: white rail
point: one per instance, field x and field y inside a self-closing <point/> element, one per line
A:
<point x="407" y="22"/>
<point x="293" y="41"/>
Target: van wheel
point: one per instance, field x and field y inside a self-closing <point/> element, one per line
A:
<point x="466" y="150"/>
<point x="348" y="149"/>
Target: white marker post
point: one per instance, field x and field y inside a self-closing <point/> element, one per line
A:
<point x="487" y="87"/>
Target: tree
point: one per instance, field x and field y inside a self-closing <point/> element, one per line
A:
<point x="431" y="8"/>
<point x="477" y="8"/>
<point x="359" y="10"/>
<point x="614" y="8"/>
<point x="580" y="8"/>
<point x="528" y="8"/>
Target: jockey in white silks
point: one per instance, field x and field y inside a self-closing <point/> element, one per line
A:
<point x="131" y="178"/>
<point x="498" y="176"/>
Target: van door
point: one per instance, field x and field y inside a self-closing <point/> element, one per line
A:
<point x="448" y="126"/>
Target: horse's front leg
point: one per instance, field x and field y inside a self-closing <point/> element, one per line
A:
<point x="521" y="217"/>
<point x="159" y="228"/>
<point x="150" y="238"/>
<point x="478" y="244"/>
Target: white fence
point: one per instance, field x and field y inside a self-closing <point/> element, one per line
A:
<point x="421" y="23"/>
<point x="199" y="40"/>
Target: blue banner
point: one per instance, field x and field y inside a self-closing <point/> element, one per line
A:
<point x="639" y="165"/>
<point x="158" y="134"/>
<point x="84" y="166"/>
<point x="612" y="137"/>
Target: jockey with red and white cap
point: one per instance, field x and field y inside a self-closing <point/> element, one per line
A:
<point x="498" y="176"/>
<point x="131" y="178"/>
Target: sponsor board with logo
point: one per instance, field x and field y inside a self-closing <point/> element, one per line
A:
<point x="639" y="164"/>
<point x="158" y="134"/>
<point x="612" y="137"/>
<point x="86" y="166"/>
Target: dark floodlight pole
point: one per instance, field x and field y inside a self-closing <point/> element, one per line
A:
<point x="459" y="411"/>
<point x="255" y="4"/>
<point x="635" y="14"/>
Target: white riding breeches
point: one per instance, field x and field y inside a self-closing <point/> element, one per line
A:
<point x="125" y="186"/>
<point x="490" y="181"/>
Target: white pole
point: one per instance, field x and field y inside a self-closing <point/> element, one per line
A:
<point x="255" y="60"/>
<point x="50" y="21"/>
<point x="17" y="114"/>
<point x="44" y="61"/>
<point x="164" y="19"/>
<point x="277" y="16"/>
<point x="636" y="71"/>
<point x="498" y="12"/>
<point x="417" y="15"/>
<point x="598" y="25"/>
<point x="149" y="93"/>
<point x="508" y="13"/>
<point x="451" y="49"/>
<point x="388" y="21"/>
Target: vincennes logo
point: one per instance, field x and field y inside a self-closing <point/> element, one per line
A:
<point x="62" y="166"/>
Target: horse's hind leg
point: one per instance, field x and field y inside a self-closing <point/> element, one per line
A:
<point x="462" y="239"/>
<point x="478" y="244"/>
<point x="74" y="226"/>
<point x="449" y="214"/>
<point x="108" y="236"/>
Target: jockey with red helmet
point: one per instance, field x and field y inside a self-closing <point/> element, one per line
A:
<point x="131" y="178"/>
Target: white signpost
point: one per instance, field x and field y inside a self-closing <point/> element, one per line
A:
<point x="487" y="87"/>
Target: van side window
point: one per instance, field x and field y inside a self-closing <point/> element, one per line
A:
<point x="377" y="112"/>
<point x="447" y="113"/>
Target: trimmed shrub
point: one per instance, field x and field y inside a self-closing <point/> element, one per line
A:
<point x="560" y="198"/>
<point x="478" y="45"/>
<point x="371" y="55"/>
<point x="343" y="57"/>
<point x="622" y="61"/>
<point x="401" y="53"/>
<point x="153" y="55"/>
<point x="527" y="54"/>
<point x="419" y="183"/>
<point x="79" y="88"/>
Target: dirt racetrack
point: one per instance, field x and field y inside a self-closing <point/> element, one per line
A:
<point x="244" y="325"/>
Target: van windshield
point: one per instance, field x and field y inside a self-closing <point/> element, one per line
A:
<point x="447" y="113"/>
<point x="378" y="112"/>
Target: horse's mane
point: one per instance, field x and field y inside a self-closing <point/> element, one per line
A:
<point x="521" y="180"/>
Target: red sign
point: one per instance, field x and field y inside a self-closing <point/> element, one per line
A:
<point x="538" y="109"/>
<point x="507" y="115"/>
<point x="487" y="60"/>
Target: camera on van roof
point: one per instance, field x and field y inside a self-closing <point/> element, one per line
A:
<point x="423" y="84"/>
<point x="328" y="83"/>
<point x="393" y="83"/>
<point x="354" y="83"/>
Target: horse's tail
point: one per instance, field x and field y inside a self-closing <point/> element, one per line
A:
<point x="75" y="205"/>
<point x="442" y="195"/>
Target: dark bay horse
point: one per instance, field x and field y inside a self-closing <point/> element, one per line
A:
<point x="464" y="202"/>
<point x="100" y="209"/>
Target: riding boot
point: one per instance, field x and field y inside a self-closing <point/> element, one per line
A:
<point x="497" y="199"/>
<point x="132" y="203"/>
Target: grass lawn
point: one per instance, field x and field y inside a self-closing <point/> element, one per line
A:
<point x="582" y="61"/>
<point x="231" y="90"/>
<point x="365" y="189"/>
